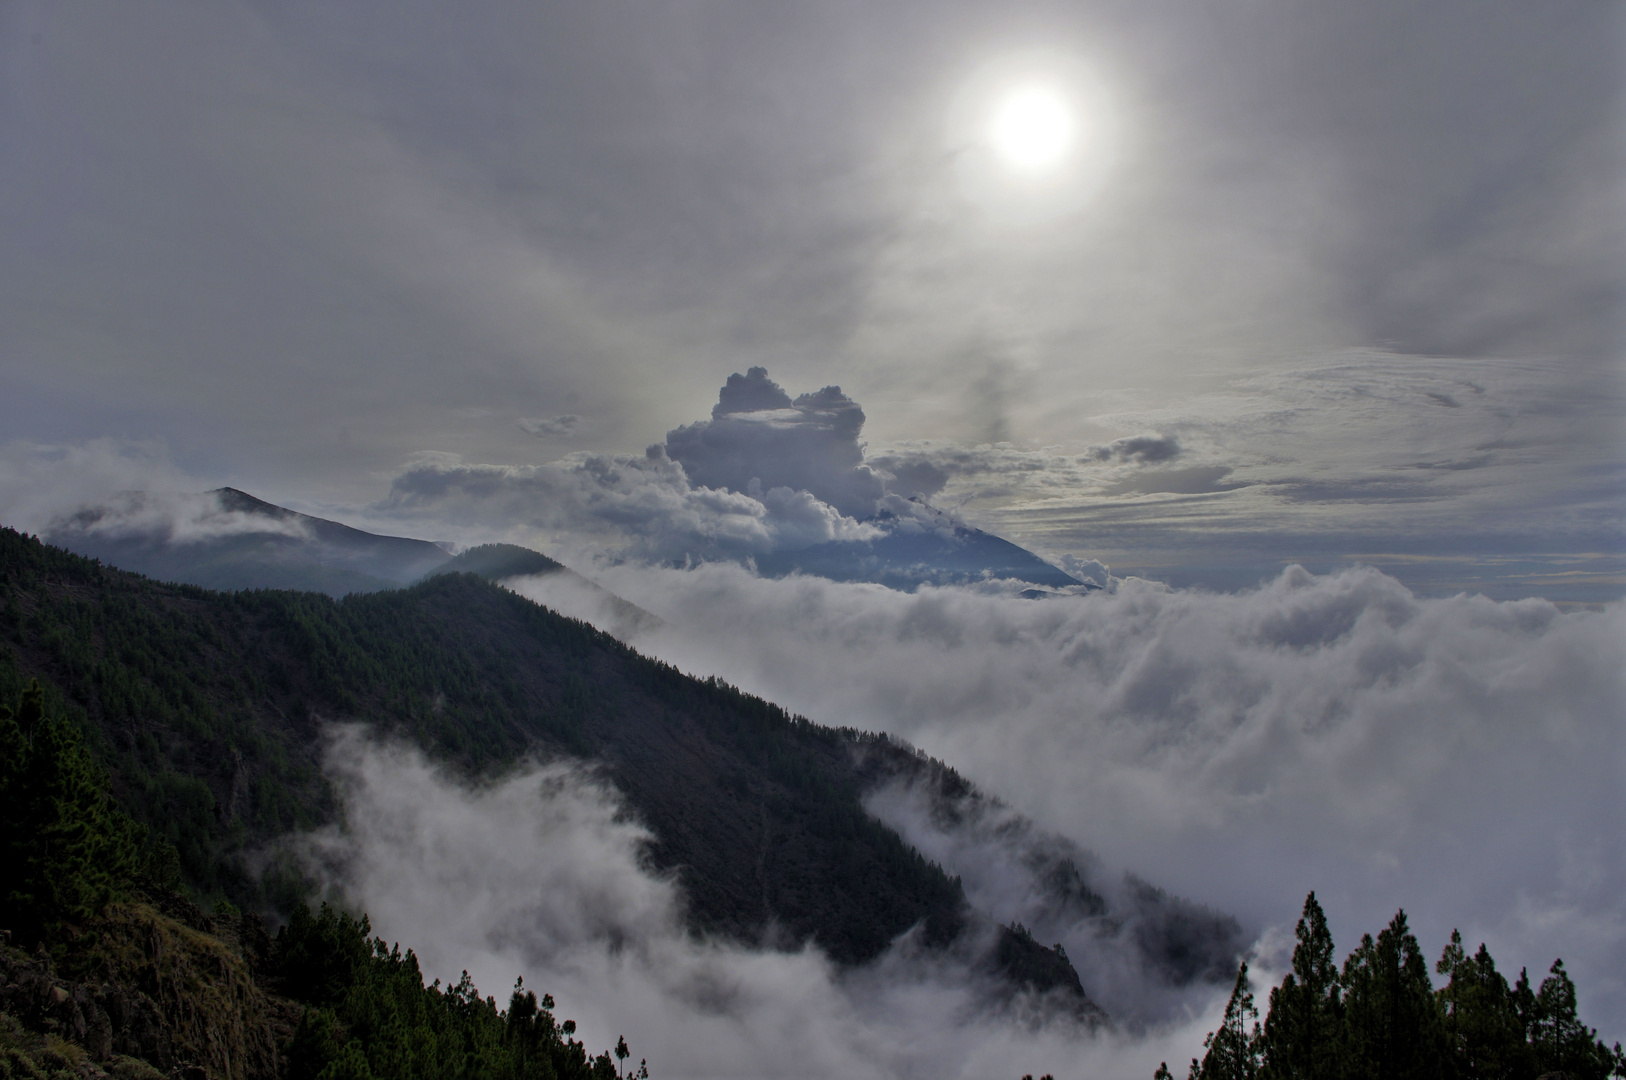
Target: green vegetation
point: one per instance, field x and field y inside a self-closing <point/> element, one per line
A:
<point x="1381" y="1017"/>
<point x="67" y="847"/>
<point x="369" y="1014"/>
<point x="494" y="561"/>
<point x="207" y="709"/>
<point x="166" y="987"/>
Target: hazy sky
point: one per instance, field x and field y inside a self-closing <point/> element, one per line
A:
<point x="1363" y="263"/>
<point x="1308" y="281"/>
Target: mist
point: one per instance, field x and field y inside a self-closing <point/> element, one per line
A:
<point x="541" y="874"/>
<point x="1460" y="758"/>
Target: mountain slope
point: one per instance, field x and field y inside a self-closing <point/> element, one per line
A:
<point x="209" y="709"/>
<point x="228" y="539"/>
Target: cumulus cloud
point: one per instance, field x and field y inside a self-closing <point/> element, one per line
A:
<point x="645" y="506"/>
<point x="1459" y="757"/>
<point x="1092" y="570"/>
<point x="758" y="439"/>
<point x="541" y="874"/>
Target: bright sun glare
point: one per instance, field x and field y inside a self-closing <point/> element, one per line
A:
<point x="1033" y="128"/>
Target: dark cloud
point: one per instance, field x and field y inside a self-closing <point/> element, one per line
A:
<point x="1138" y="448"/>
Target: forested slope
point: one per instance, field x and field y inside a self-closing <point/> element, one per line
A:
<point x="207" y="708"/>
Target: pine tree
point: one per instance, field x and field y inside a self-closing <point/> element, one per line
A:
<point x="1560" y="1041"/>
<point x="1395" y="1031"/>
<point x="1304" y="1025"/>
<point x="67" y="846"/>
<point x="1233" y="1050"/>
<point x="1481" y="1018"/>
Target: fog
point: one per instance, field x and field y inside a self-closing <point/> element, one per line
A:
<point x="1459" y="757"/>
<point x="541" y="874"/>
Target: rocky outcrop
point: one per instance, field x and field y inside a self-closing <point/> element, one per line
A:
<point x="141" y="985"/>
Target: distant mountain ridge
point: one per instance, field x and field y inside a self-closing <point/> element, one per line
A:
<point x="291" y="550"/>
<point x="927" y="548"/>
<point x="242" y="542"/>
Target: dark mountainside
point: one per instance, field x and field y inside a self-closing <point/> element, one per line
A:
<point x="1063" y="884"/>
<point x="497" y="561"/>
<point x="208" y="709"/>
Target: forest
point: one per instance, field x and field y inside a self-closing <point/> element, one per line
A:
<point x="1381" y="1017"/>
<point x="89" y="906"/>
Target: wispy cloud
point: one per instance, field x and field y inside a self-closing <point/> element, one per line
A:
<point x="541" y="874"/>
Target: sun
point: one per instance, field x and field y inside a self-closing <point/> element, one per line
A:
<point x="1033" y="128"/>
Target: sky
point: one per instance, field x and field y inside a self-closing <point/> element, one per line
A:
<point x="1293" y="283"/>
<point x="1363" y="267"/>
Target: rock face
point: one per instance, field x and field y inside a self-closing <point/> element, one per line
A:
<point x="143" y="986"/>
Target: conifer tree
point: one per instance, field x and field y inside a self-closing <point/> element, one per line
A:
<point x="1393" y="1021"/>
<point x="1303" y="1029"/>
<point x="1233" y="1050"/>
<point x="67" y="846"/>
<point x="1560" y="1041"/>
<point x="1482" y="1026"/>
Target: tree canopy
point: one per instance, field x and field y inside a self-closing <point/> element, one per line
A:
<point x="1380" y="1017"/>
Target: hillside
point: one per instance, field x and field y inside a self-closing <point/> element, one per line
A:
<point x="208" y="710"/>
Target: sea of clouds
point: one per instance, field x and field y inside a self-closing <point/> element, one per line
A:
<point x="1460" y="758"/>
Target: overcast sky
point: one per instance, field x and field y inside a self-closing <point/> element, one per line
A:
<point x="1363" y="263"/>
<point x="1305" y="281"/>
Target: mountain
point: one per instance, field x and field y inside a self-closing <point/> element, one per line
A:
<point x="927" y="548"/>
<point x="209" y="709"/>
<point x="228" y="539"/>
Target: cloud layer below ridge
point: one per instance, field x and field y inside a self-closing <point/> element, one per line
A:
<point x="1459" y="757"/>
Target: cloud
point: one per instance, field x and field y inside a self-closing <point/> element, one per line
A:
<point x="540" y="873"/>
<point x="758" y="438"/>
<point x="1141" y="448"/>
<point x="1197" y="480"/>
<point x="173" y="518"/>
<point x="643" y="506"/>
<point x="1091" y="570"/>
<point x="1152" y="956"/>
<point x="558" y="425"/>
<point x="1314" y="463"/>
<point x="114" y="489"/>
<point x="1459" y="757"/>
